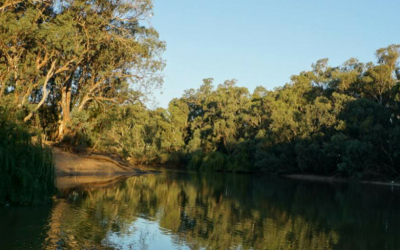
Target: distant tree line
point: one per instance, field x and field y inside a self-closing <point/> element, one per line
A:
<point x="80" y="70"/>
<point x="330" y="120"/>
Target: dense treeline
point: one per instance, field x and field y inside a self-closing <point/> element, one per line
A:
<point x="80" y="70"/>
<point x="331" y="120"/>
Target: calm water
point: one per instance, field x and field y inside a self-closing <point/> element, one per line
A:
<point x="177" y="210"/>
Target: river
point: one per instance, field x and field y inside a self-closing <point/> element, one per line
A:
<point x="184" y="210"/>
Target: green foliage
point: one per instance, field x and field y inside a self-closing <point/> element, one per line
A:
<point x="327" y="121"/>
<point x="79" y="70"/>
<point x="63" y="55"/>
<point x="214" y="161"/>
<point x="196" y="160"/>
<point x="26" y="168"/>
<point x="331" y="120"/>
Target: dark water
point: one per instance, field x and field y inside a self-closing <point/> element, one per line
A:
<point x="177" y="210"/>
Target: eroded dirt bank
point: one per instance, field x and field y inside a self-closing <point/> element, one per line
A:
<point x="68" y="164"/>
<point x="73" y="170"/>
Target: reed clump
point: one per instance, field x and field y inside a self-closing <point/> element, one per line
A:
<point x="27" y="174"/>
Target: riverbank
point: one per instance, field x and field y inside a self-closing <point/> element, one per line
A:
<point x="73" y="169"/>
<point x="76" y="171"/>
<point x="69" y="164"/>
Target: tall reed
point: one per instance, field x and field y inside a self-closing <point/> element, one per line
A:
<point x="27" y="173"/>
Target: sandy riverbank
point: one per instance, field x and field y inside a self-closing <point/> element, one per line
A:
<point x="73" y="170"/>
<point x="68" y="164"/>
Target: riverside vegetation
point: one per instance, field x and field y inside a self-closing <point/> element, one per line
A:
<point x="80" y="71"/>
<point x="58" y="58"/>
<point x="26" y="167"/>
<point x="331" y="121"/>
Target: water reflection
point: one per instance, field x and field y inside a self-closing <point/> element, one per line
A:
<point x="177" y="210"/>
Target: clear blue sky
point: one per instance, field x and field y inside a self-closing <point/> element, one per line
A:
<point x="264" y="42"/>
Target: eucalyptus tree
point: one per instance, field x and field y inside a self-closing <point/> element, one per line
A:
<point x="379" y="80"/>
<point x="27" y="63"/>
<point x="77" y="52"/>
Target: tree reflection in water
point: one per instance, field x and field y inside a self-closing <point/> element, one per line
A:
<point x="177" y="210"/>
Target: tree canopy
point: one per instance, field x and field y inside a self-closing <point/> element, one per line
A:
<point x="340" y="120"/>
<point x="80" y="71"/>
<point x="60" y="56"/>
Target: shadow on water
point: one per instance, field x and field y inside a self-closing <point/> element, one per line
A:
<point x="180" y="210"/>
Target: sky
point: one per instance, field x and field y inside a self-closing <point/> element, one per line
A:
<point x="264" y="42"/>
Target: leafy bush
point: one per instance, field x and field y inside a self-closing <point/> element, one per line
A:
<point x="214" y="161"/>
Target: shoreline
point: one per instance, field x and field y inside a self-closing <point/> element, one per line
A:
<point x="75" y="171"/>
<point x="73" y="166"/>
<point x="70" y="164"/>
